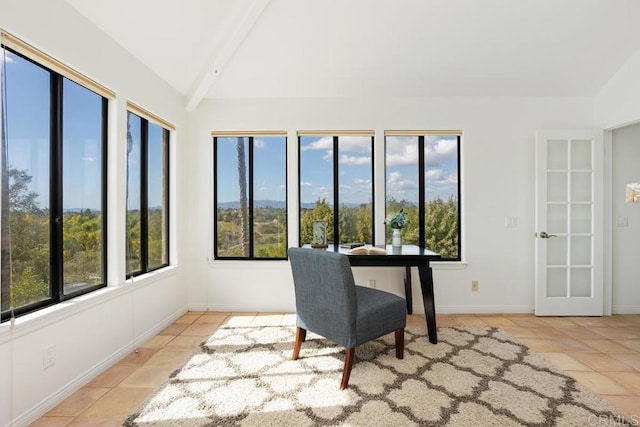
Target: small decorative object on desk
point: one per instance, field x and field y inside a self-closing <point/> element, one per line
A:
<point x="396" y="237"/>
<point x="397" y="222"/>
<point x="319" y="239"/>
<point x="368" y="250"/>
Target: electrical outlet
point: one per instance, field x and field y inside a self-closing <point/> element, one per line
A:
<point x="474" y="285"/>
<point x="371" y="283"/>
<point x="49" y="356"/>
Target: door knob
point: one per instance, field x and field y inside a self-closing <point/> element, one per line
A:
<point x="544" y="235"/>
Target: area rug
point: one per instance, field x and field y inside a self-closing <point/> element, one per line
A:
<point x="244" y="376"/>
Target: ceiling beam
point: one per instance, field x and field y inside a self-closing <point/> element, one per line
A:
<point x="213" y="68"/>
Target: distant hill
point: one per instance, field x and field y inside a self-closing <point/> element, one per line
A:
<point x="276" y="204"/>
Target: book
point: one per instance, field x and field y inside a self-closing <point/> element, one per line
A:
<point x="368" y="250"/>
<point x="351" y="245"/>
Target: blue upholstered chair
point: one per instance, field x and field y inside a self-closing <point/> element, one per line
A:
<point x="329" y="303"/>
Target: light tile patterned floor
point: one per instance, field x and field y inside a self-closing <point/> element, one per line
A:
<point x="603" y="353"/>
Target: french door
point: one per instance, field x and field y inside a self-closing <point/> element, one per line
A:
<point x="569" y="223"/>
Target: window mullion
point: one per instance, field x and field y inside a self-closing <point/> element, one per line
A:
<point x="105" y="133"/>
<point x="56" y="280"/>
<point x="373" y="192"/>
<point x="144" y="195"/>
<point x="336" y="191"/>
<point x="250" y="201"/>
<point x="422" y="237"/>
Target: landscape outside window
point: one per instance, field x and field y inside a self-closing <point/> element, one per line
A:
<point x="431" y="201"/>
<point x="337" y="170"/>
<point x="147" y="195"/>
<point x="53" y="181"/>
<point x="250" y="196"/>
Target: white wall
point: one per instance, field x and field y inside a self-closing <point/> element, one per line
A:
<point x="625" y="239"/>
<point x="93" y="331"/>
<point x="498" y="168"/>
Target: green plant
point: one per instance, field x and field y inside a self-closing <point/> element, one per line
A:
<point x="397" y="221"/>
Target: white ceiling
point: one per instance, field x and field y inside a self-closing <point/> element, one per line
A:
<point x="366" y="48"/>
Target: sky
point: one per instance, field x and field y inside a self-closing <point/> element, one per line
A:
<point x="270" y="168"/>
<point x="354" y="168"/>
<point x="28" y="111"/>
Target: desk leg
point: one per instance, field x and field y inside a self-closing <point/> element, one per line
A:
<point x="426" y="284"/>
<point x="407" y="289"/>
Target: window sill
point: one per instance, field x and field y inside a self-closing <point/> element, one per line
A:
<point x="448" y="265"/>
<point x="32" y="322"/>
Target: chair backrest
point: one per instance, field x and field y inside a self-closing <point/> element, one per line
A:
<point x="325" y="294"/>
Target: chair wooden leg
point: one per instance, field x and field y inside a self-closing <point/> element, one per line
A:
<point x="400" y="343"/>
<point x="348" y="364"/>
<point x="301" y="335"/>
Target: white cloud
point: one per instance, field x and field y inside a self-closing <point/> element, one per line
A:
<point x="440" y="176"/>
<point x="88" y="159"/>
<point x="403" y="150"/>
<point x="324" y="143"/>
<point x="258" y="143"/>
<point x="306" y="184"/>
<point x="439" y="150"/>
<point x="358" y="144"/>
<point x="355" y="160"/>
<point x="398" y="183"/>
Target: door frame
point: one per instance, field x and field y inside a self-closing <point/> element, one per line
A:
<point x="607" y="139"/>
<point x="607" y="238"/>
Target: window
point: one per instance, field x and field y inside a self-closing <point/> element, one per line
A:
<point x="147" y="192"/>
<point x="53" y="182"/>
<point x="250" y="195"/>
<point x="336" y="170"/>
<point x="422" y="177"/>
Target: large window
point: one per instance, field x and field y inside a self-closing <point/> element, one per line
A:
<point x="147" y="193"/>
<point x="422" y="177"/>
<point x="336" y="185"/>
<point x="53" y="184"/>
<point x="250" y="195"/>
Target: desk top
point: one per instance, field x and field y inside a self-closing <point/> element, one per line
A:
<point x="407" y="255"/>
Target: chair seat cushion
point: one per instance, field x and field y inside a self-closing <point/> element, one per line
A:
<point x="379" y="313"/>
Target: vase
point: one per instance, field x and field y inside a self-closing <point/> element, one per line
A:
<point x="396" y="237"/>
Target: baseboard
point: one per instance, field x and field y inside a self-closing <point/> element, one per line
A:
<point x="477" y="309"/>
<point x="417" y="308"/>
<point x="80" y="381"/>
<point x="626" y="309"/>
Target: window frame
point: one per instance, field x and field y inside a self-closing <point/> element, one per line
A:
<point x="145" y="119"/>
<point x="250" y="191"/>
<point x="422" y="234"/>
<point x="57" y="74"/>
<point x="335" y="135"/>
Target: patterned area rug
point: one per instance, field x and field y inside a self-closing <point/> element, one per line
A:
<point x="244" y="376"/>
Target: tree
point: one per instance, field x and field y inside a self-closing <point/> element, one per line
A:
<point x="242" y="183"/>
<point x="320" y="212"/>
<point x="441" y="226"/>
<point x="21" y="199"/>
<point x="25" y="255"/>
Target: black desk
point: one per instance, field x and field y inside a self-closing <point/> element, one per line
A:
<point x="409" y="256"/>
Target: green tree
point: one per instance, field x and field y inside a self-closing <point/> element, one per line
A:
<point x="320" y="212"/>
<point x="441" y="224"/>
<point x="26" y="262"/>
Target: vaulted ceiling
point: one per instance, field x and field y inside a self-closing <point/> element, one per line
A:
<point x="368" y="48"/>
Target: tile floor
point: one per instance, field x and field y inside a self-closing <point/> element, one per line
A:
<point x="602" y="353"/>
